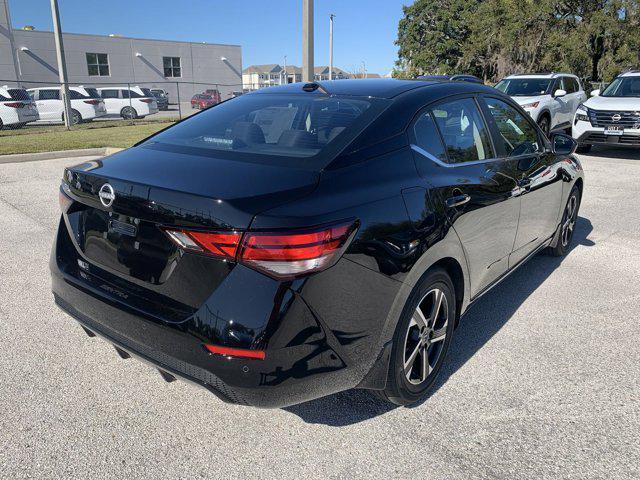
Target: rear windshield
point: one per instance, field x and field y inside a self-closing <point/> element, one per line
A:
<point x="525" y="87"/>
<point x="93" y="93"/>
<point x="18" y="94"/>
<point x="295" y="126"/>
<point x="147" y="92"/>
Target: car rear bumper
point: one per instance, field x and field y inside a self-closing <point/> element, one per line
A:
<point x="303" y="360"/>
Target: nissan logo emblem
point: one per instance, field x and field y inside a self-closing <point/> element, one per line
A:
<point x="107" y="195"/>
<point x="616" y="117"/>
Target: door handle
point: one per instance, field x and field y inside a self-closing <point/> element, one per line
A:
<point x="456" y="201"/>
<point x="524" y="182"/>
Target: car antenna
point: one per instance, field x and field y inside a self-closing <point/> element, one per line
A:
<point x="313" y="86"/>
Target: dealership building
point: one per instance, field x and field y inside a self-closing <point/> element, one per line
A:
<point x="28" y="58"/>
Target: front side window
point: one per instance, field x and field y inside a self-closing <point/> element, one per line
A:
<point x="172" y="67"/>
<point x="623" y="87"/>
<point x="517" y="135"/>
<point x="98" y="64"/>
<point x="463" y="131"/>
<point x="275" y="125"/>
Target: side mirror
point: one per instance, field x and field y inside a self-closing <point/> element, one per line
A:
<point x="563" y="144"/>
<point x="559" y="93"/>
<point x="595" y="93"/>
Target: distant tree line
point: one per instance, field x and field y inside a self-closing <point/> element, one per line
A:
<point x="595" y="39"/>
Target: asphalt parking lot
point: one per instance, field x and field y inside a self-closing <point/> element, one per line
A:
<point x="543" y="379"/>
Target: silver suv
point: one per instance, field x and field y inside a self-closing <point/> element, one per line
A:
<point x="551" y="99"/>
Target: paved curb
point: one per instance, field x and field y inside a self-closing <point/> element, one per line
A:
<point x="34" y="157"/>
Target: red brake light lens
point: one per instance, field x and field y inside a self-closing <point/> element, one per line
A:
<point x="146" y="100"/>
<point x="218" y="244"/>
<point x="290" y="254"/>
<point x="281" y="255"/>
<point x="92" y="102"/>
<point x="15" y="104"/>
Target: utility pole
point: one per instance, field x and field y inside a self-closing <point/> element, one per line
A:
<point x="62" y="65"/>
<point x="331" y="17"/>
<point x="286" y="77"/>
<point x="307" y="40"/>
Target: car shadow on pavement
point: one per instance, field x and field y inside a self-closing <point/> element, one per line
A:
<point x="621" y="153"/>
<point x="481" y="322"/>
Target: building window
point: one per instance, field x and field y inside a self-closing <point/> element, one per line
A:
<point x="172" y="66"/>
<point x="98" y="64"/>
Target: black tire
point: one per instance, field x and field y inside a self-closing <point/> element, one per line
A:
<point x="567" y="226"/>
<point x="544" y="122"/>
<point x="408" y="386"/>
<point x="583" y="148"/>
<point x="76" y="118"/>
<point x="128" y="113"/>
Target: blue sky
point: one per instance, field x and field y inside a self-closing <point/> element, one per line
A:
<point x="267" y="30"/>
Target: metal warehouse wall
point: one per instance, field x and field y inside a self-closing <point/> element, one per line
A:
<point x="200" y="63"/>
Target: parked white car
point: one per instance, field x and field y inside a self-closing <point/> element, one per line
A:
<point x="551" y="99"/>
<point x="86" y="104"/>
<point x="610" y="117"/>
<point x="16" y="108"/>
<point x="134" y="102"/>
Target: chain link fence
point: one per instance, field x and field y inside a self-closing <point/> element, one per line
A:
<point x="32" y="117"/>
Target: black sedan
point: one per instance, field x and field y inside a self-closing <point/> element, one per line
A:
<point x="311" y="238"/>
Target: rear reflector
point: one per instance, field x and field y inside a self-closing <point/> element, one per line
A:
<point x="236" y="352"/>
<point x="278" y="254"/>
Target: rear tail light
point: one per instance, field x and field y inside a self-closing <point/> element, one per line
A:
<point x="15" y="105"/>
<point x="92" y="102"/>
<point x="290" y="254"/>
<point x="218" y="244"/>
<point x="146" y="100"/>
<point x="278" y="254"/>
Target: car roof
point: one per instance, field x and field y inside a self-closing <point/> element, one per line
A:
<point x="541" y="75"/>
<point x="362" y="87"/>
<point x="632" y="73"/>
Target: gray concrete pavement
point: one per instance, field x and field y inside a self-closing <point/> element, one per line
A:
<point x="543" y="379"/>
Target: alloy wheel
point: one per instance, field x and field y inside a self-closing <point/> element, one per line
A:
<point x="424" y="339"/>
<point x="569" y="222"/>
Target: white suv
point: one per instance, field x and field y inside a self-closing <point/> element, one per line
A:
<point x="134" y="102"/>
<point x="16" y="108"/>
<point x="551" y="99"/>
<point x="86" y="104"/>
<point x="610" y="117"/>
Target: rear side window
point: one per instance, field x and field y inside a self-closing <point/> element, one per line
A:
<point x="517" y="135"/>
<point x="570" y="85"/>
<point x="49" y="94"/>
<point x="463" y="131"/>
<point x="427" y="136"/>
<point x="132" y="93"/>
<point x="109" y="93"/>
<point x="74" y="95"/>
<point x="271" y="124"/>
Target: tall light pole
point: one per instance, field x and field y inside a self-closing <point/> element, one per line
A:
<point x="286" y="77"/>
<point x="331" y="17"/>
<point x="307" y="40"/>
<point x="62" y="65"/>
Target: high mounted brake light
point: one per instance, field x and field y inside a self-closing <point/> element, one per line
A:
<point x="280" y="254"/>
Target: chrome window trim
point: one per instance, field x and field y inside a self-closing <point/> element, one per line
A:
<point x="435" y="159"/>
